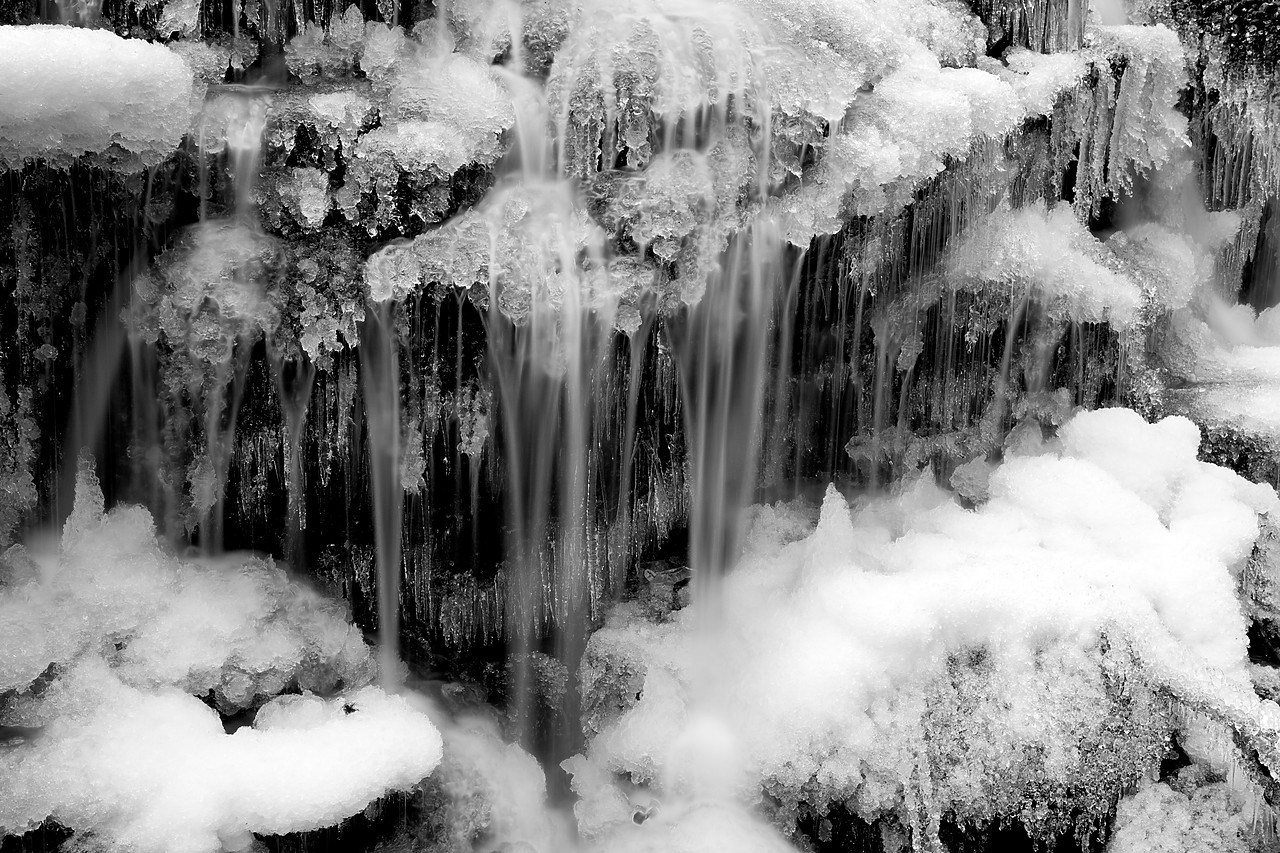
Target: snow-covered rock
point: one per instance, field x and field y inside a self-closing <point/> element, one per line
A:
<point x="909" y="656"/>
<point x="107" y="650"/>
<point x="70" y="91"/>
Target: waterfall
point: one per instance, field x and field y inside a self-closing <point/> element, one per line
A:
<point x="638" y="424"/>
<point x="380" y="381"/>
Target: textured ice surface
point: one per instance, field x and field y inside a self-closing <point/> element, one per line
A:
<point x="104" y="650"/>
<point x="1049" y="255"/>
<point x="1041" y="78"/>
<point x="522" y="245"/>
<point x="898" y="135"/>
<point x="70" y="91"/>
<point x="219" y="282"/>
<point x="831" y="110"/>
<point x="858" y="99"/>
<point x="237" y="628"/>
<point x="1228" y="360"/>
<point x="408" y="110"/>
<point x="986" y="633"/>
<point x="1148" y="129"/>
<point x="1133" y="129"/>
<point x="1182" y="818"/>
<point x="438" y="113"/>
<point x="155" y="772"/>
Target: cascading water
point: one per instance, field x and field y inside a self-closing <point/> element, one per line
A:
<point x="380" y="381"/>
<point x="694" y="402"/>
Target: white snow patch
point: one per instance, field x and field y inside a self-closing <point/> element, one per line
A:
<point x="831" y="646"/>
<point x="104" y="650"/>
<point x="70" y="91"/>
<point x="154" y="771"/>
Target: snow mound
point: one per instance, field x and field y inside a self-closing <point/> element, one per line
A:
<point x="104" y="649"/>
<point x="908" y="647"/>
<point x="71" y="91"/>
<point x="155" y="772"/>
<point x="239" y="629"/>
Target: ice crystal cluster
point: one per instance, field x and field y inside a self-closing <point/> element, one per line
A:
<point x="1189" y="814"/>
<point x="815" y="114"/>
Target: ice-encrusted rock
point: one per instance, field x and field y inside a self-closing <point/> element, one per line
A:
<point x="920" y="659"/>
<point x="1182" y="818"/>
<point x="108" y="651"/>
<point x="71" y="91"/>
<point x="154" y="771"/>
<point x="237" y="630"/>
<point x="1223" y="364"/>
<point x="439" y="113"/>
<point x="1045" y="254"/>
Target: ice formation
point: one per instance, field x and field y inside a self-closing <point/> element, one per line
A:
<point x="156" y="771"/>
<point x="909" y="647"/>
<point x="71" y="91"/>
<point x="1185" y="817"/>
<point x="109" y="648"/>
<point x="860" y="238"/>
<point x="219" y="282"/>
<point x="1049" y="256"/>
<point x="1147" y="131"/>
<point x="1227" y="358"/>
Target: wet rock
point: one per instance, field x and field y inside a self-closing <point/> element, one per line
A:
<point x="665" y="588"/>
